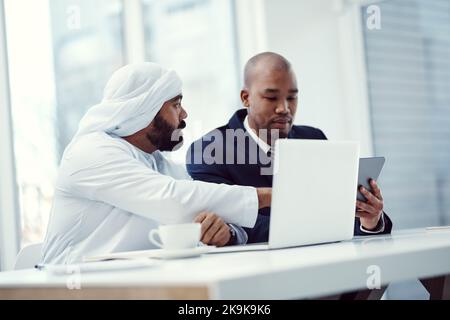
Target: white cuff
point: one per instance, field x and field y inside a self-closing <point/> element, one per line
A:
<point x="250" y="207"/>
<point x="379" y="230"/>
<point x="241" y="235"/>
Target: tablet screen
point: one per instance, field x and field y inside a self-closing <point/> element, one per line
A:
<point x="369" y="168"/>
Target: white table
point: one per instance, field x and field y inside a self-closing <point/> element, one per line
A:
<point x="302" y="272"/>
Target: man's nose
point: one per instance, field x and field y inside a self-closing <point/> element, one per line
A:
<point x="283" y="107"/>
<point x="183" y="114"/>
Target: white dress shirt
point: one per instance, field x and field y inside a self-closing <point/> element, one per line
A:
<point x="261" y="143"/>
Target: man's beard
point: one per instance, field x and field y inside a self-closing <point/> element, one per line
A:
<point x="166" y="137"/>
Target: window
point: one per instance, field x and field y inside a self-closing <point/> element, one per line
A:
<point x="409" y="84"/>
<point x="61" y="53"/>
<point x="197" y="39"/>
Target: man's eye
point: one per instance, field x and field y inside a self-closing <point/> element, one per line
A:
<point x="292" y="98"/>
<point x="271" y="98"/>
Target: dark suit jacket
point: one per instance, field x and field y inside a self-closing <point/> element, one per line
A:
<point x="207" y="161"/>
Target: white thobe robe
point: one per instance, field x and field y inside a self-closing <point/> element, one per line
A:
<point x="110" y="194"/>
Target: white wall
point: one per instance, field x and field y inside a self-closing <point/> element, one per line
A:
<point x="322" y="39"/>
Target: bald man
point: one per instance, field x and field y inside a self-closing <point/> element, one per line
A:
<point x="244" y="157"/>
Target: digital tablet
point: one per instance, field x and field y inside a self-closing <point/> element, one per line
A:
<point x="369" y="168"/>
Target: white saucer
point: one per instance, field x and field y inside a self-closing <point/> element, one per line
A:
<point x="182" y="253"/>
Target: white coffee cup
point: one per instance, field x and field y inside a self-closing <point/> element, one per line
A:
<point x="176" y="236"/>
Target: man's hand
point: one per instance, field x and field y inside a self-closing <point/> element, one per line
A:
<point x="214" y="231"/>
<point x="264" y="197"/>
<point x="370" y="212"/>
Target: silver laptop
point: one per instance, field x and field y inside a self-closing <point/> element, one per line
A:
<point x="313" y="196"/>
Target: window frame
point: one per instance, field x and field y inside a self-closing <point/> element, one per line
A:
<point x="353" y="60"/>
<point x="134" y="38"/>
<point x="9" y="205"/>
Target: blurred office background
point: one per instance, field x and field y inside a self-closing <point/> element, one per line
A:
<point x="374" y="71"/>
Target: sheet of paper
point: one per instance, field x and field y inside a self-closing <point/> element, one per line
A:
<point x="98" y="266"/>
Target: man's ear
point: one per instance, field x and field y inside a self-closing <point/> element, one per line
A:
<point x="244" y="98"/>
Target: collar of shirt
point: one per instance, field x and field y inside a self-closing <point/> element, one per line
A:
<point x="261" y="143"/>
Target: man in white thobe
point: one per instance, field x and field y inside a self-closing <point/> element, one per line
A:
<point x="114" y="185"/>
